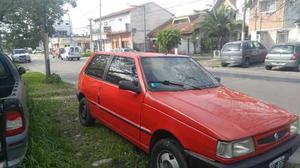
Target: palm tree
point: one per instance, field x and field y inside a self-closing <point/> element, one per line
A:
<point x="219" y="23"/>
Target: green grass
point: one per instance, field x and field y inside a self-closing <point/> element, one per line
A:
<point x="58" y="140"/>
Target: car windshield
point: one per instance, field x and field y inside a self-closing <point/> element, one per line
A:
<point x="20" y="51"/>
<point x="282" y="49"/>
<point x="175" y="73"/>
<point x="232" y="47"/>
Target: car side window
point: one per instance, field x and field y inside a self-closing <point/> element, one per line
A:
<point x="97" y="66"/>
<point x="3" y="72"/>
<point x="121" y="68"/>
<point x="298" y="50"/>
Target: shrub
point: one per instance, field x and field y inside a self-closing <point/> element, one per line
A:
<point x="53" y="78"/>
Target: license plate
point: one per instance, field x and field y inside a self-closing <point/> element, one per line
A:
<point x="278" y="163"/>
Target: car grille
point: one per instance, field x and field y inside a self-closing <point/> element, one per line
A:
<point x="273" y="138"/>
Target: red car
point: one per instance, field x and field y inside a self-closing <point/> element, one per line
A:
<point x="174" y="109"/>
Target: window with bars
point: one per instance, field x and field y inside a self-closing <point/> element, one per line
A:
<point x="267" y="5"/>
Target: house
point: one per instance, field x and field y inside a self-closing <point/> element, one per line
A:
<point x="62" y="28"/>
<point x="275" y="21"/>
<point x="129" y="27"/>
<point x="189" y="28"/>
<point x="61" y="42"/>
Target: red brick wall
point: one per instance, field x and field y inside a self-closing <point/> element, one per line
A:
<point x="267" y="21"/>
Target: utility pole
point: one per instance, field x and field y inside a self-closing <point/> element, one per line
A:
<point x="145" y="28"/>
<point x="100" y="29"/>
<point x="70" y="26"/>
<point x="46" y="42"/>
<point x="244" y="20"/>
<point x="91" y="35"/>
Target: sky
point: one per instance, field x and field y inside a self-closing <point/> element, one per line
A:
<point x="87" y="9"/>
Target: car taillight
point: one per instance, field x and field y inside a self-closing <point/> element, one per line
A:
<point x="294" y="57"/>
<point x="14" y="123"/>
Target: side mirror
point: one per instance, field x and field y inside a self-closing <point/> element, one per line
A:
<point x="128" y="85"/>
<point x="218" y="79"/>
<point x="21" y="70"/>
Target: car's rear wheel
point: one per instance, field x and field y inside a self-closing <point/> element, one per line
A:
<point x="297" y="68"/>
<point x="268" y="67"/>
<point x="167" y="153"/>
<point x="84" y="113"/>
<point x="224" y="64"/>
<point x="246" y="63"/>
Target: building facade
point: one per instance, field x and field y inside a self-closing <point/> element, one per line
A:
<point x="129" y="28"/>
<point x="275" y="21"/>
<point x="62" y="28"/>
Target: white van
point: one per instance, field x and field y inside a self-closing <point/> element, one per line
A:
<point x="71" y="53"/>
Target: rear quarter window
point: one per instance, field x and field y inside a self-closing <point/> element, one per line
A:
<point x="232" y="47"/>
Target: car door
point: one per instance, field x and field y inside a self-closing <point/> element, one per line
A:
<point x="122" y="108"/>
<point x="2" y="138"/>
<point x="259" y="52"/>
<point x="93" y="82"/>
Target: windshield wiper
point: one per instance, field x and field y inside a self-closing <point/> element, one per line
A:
<point x="166" y="82"/>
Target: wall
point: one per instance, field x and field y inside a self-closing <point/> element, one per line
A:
<point x="266" y="20"/>
<point x="294" y="34"/>
<point x="117" y="24"/>
<point x="155" y="16"/>
<point x="292" y="13"/>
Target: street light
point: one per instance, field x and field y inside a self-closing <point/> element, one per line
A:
<point x="145" y="27"/>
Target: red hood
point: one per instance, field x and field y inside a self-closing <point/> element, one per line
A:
<point x="227" y="114"/>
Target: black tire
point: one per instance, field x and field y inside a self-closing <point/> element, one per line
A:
<point x="224" y="64"/>
<point x="246" y="63"/>
<point x="167" y="147"/>
<point x="85" y="117"/>
<point x="297" y="69"/>
<point x="268" y="67"/>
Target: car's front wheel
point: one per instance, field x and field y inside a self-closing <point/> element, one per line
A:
<point x="84" y="113"/>
<point x="167" y="153"/>
<point x="268" y="67"/>
<point x="246" y="63"/>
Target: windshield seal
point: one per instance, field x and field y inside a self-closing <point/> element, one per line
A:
<point x="178" y="88"/>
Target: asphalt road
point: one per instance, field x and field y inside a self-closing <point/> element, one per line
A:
<point x="281" y="88"/>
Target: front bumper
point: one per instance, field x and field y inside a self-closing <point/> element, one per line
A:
<point x="260" y="161"/>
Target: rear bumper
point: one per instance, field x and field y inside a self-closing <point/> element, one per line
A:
<point x="274" y="63"/>
<point x="260" y="161"/>
<point x="232" y="61"/>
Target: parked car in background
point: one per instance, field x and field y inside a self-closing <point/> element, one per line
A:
<point x="173" y="108"/>
<point x="284" y="55"/>
<point x="20" y="55"/>
<point x="242" y="53"/>
<point x="71" y="53"/>
<point x="13" y="106"/>
<point x="38" y="51"/>
<point x="123" y="50"/>
<point x="57" y="52"/>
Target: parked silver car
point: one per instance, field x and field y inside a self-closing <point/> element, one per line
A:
<point x="20" y="55"/>
<point x="242" y="53"/>
<point x="285" y="55"/>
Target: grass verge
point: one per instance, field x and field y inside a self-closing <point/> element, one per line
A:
<point x="58" y="140"/>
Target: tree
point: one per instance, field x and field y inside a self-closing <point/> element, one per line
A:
<point x="219" y="23"/>
<point x="168" y="39"/>
<point x="22" y="21"/>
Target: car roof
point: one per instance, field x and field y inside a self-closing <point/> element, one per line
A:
<point x="140" y="54"/>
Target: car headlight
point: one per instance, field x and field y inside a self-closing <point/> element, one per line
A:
<point x="294" y="127"/>
<point x="235" y="149"/>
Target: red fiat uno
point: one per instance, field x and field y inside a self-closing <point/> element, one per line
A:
<point x="175" y="110"/>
